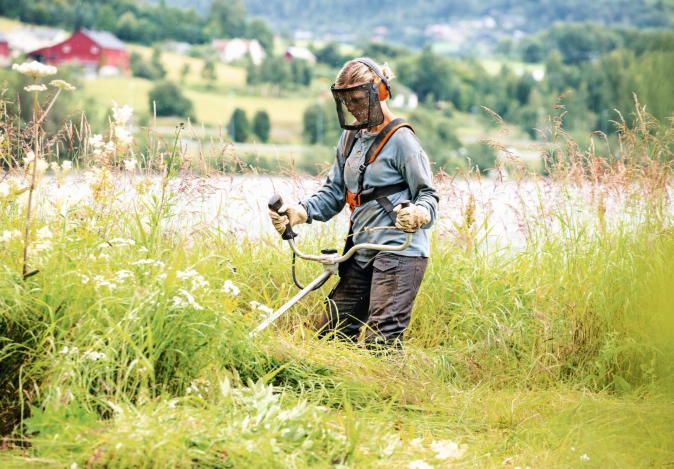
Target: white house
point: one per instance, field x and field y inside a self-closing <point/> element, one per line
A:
<point x="293" y="53"/>
<point x="22" y="40"/>
<point x="237" y="48"/>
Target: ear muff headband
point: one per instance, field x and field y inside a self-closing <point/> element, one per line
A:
<point x="384" y="88"/>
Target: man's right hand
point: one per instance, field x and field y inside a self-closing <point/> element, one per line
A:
<point x="294" y="214"/>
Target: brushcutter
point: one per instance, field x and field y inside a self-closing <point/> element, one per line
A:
<point x="328" y="257"/>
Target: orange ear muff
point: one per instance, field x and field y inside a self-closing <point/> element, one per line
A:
<point x="383" y="92"/>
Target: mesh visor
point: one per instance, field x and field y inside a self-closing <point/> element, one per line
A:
<point x="358" y="107"/>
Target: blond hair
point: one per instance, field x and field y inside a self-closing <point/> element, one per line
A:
<point x="355" y="73"/>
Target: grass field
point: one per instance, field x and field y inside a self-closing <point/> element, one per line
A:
<point x="211" y="109"/>
<point x="128" y="293"/>
<point x="228" y="77"/>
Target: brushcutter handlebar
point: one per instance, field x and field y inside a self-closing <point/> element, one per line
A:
<point x="329" y="256"/>
<point x="275" y="204"/>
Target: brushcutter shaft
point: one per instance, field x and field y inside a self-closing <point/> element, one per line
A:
<point x="325" y="275"/>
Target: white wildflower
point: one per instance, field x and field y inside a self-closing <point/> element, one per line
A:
<point x="448" y="449"/>
<point x="122" y="274"/>
<point x="198" y="281"/>
<point x="130" y="165"/>
<point x="123" y="136"/>
<point x="67" y="166"/>
<point x="261" y="307"/>
<point x="100" y="281"/>
<point x="34" y="69"/>
<point x="64" y="85"/>
<point x="585" y="457"/>
<point x="230" y="288"/>
<point x="417" y="442"/>
<point x="96" y="141"/>
<point x="44" y="233"/>
<point x="35" y="88"/>
<point x="69" y="350"/>
<point x="42" y="166"/>
<point x="30" y="156"/>
<point x="74" y="466"/>
<point x="85" y="279"/>
<point x="94" y="356"/>
<point x="123" y="114"/>
<point x="190" y="300"/>
<point x="179" y="302"/>
<point x="54" y="166"/>
<point x="388" y="451"/>
<point x="419" y="464"/>
<point x="5" y="190"/>
<point x="143" y="249"/>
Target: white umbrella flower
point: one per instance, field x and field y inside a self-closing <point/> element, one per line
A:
<point x="62" y="85"/>
<point x="35" y="88"/>
<point x="34" y="69"/>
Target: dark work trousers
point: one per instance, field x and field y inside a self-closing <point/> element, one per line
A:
<point x="379" y="297"/>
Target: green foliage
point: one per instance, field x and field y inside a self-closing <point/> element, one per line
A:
<point x="143" y="22"/>
<point x="437" y="136"/>
<point x="184" y="71"/>
<point x="239" y="126"/>
<point x="262" y="125"/>
<point x="226" y="19"/>
<point x="321" y="125"/>
<point x="208" y="73"/>
<point x="170" y="101"/>
<point x="156" y="61"/>
<point x="329" y="54"/>
<point x="408" y="28"/>
<point x="260" y="30"/>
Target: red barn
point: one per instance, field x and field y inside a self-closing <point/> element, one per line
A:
<point x="5" y="53"/>
<point x="94" y="50"/>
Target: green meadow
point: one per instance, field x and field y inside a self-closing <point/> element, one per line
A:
<point x="126" y="309"/>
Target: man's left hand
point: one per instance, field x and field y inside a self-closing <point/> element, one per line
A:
<point x="410" y="219"/>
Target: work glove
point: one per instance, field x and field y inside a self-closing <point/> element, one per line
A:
<point x="295" y="214"/>
<point x="410" y="219"/>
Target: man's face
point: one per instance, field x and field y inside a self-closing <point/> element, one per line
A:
<point x="357" y="103"/>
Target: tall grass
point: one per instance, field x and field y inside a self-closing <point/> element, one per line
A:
<point x="130" y="347"/>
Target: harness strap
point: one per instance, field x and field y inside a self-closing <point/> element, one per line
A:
<point x="376" y="146"/>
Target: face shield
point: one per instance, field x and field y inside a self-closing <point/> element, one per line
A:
<point x="358" y="107"/>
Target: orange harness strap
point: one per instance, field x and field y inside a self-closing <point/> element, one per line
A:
<point x="354" y="199"/>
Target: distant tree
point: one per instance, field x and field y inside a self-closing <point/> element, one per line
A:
<point x="209" y="74"/>
<point x="320" y="123"/>
<point x="141" y="68"/>
<point x="275" y="70"/>
<point x="106" y="19"/>
<point x="156" y="61"/>
<point x="301" y="72"/>
<point x="252" y="73"/>
<point x="262" y="125"/>
<point x="330" y="55"/>
<point x="226" y="19"/>
<point x="170" y="101"/>
<point x="260" y="30"/>
<point x="127" y="26"/>
<point x="184" y="71"/>
<point x="533" y="52"/>
<point x="239" y="126"/>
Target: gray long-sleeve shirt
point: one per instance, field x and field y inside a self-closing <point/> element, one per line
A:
<point x="401" y="159"/>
